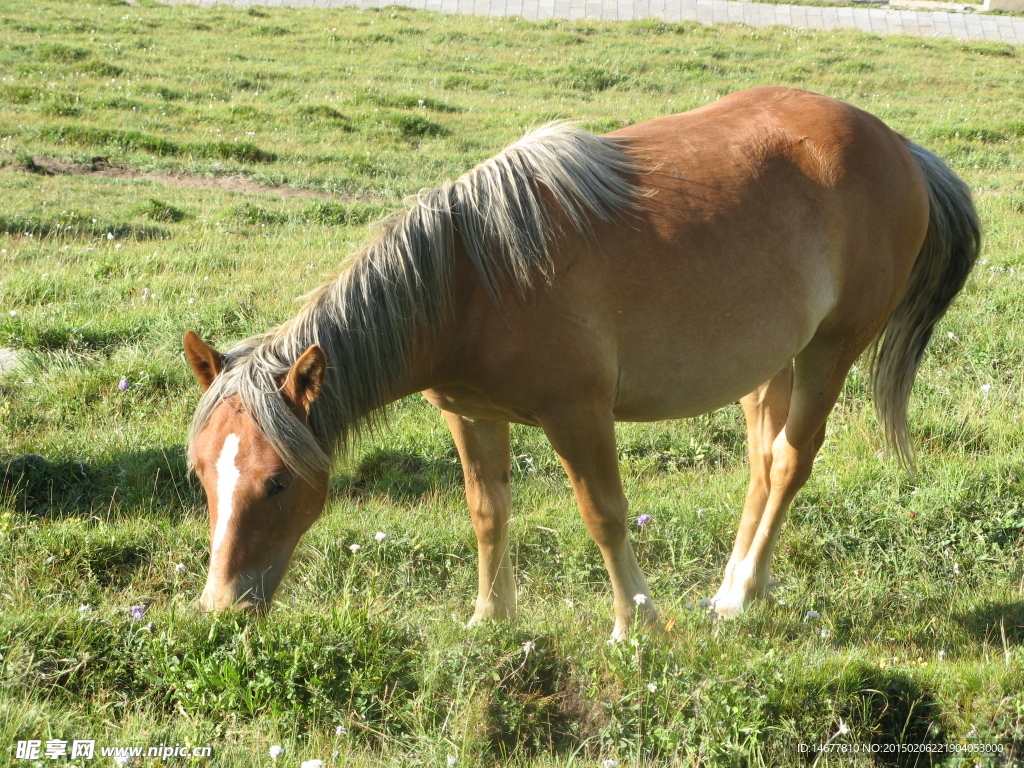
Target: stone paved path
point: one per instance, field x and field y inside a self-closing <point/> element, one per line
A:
<point x="962" y="26"/>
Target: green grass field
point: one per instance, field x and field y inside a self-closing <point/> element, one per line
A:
<point x="143" y="147"/>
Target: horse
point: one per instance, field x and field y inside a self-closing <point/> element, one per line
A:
<point x="748" y="250"/>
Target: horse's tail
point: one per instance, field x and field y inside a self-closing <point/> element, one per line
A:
<point x="950" y="249"/>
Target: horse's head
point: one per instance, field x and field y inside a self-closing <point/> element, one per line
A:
<point x="259" y="508"/>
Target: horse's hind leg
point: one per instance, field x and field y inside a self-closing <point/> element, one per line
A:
<point x="765" y="409"/>
<point x="819" y="372"/>
<point x="484" y="450"/>
<point x="585" y="443"/>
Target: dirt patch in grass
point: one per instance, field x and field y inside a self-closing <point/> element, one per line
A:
<point x="100" y="166"/>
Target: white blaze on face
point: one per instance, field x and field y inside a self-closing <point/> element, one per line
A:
<point x="227" y="479"/>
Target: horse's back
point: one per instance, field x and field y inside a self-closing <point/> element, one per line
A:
<point x="769" y="216"/>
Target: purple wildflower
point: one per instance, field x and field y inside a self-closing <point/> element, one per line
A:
<point x="643" y="520"/>
<point x="123" y="385"/>
<point x="137" y="612"/>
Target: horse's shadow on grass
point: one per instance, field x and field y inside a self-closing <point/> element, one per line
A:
<point x="153" y="482"/>
<point x="897" y="721"/>
<point x="404" y="477"/>
<point x="902" y="714"/>
<point x="995" y="623"/>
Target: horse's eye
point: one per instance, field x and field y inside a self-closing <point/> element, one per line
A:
<point x="278" y="483"/>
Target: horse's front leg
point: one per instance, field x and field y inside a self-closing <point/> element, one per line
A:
<point x="484" y="450"/>
<point x="585" y="442"/>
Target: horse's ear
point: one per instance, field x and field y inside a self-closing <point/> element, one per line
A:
<point x="306" y="377"/>
<point x="206" y="361"/>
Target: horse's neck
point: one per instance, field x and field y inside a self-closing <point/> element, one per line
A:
<point x="430" y="353"/>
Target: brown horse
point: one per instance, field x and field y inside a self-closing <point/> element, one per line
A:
<point x="751" y="249"/>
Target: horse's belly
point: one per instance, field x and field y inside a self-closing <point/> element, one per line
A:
<point x="678" y="373"/>
<point x="684" y="394"/>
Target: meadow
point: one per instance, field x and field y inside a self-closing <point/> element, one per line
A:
<point x="167" y="168"/>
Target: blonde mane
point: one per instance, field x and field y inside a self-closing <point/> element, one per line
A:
<point x="501" y="212"/>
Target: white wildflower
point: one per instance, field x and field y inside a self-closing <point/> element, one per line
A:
<point x="354" y="548"/>
<point x="652" y="687"/>
<point x="528" y="647"/>
<point x="640" y="599"/>
<point x="84" y="609"/>
<point x="312" y="763"/>
<point x="341" y="730"/>
<point x="379" y="536"/>
<point x="452" y="760"/>
<point x="843" y="727"/>
<point x="812" y="616"/>
<point x="276" y="751"/>
<point x="609" y="763"/>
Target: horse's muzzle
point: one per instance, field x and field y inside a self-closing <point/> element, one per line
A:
<point x="244" y="595"/>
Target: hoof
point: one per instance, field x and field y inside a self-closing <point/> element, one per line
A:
<point x="730" y="602"/>
<point x="491" y="613"/>
<point x="728" y="607"/>
<point x="646" y="619"/>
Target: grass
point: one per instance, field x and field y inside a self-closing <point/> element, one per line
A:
<point x="917" y="580"/>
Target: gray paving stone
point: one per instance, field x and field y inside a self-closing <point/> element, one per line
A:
<point x="958" y="25"/>
<point x="704" y="11"/>
<point x="784" y="15"/>
<point x="846" y="18"/>
<point x="989" y="28"/>
<point x="908" y="24"/>
<point x="799" y="16"/>
<point x="975" y="27"/>
<point x="766" y="16"/>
